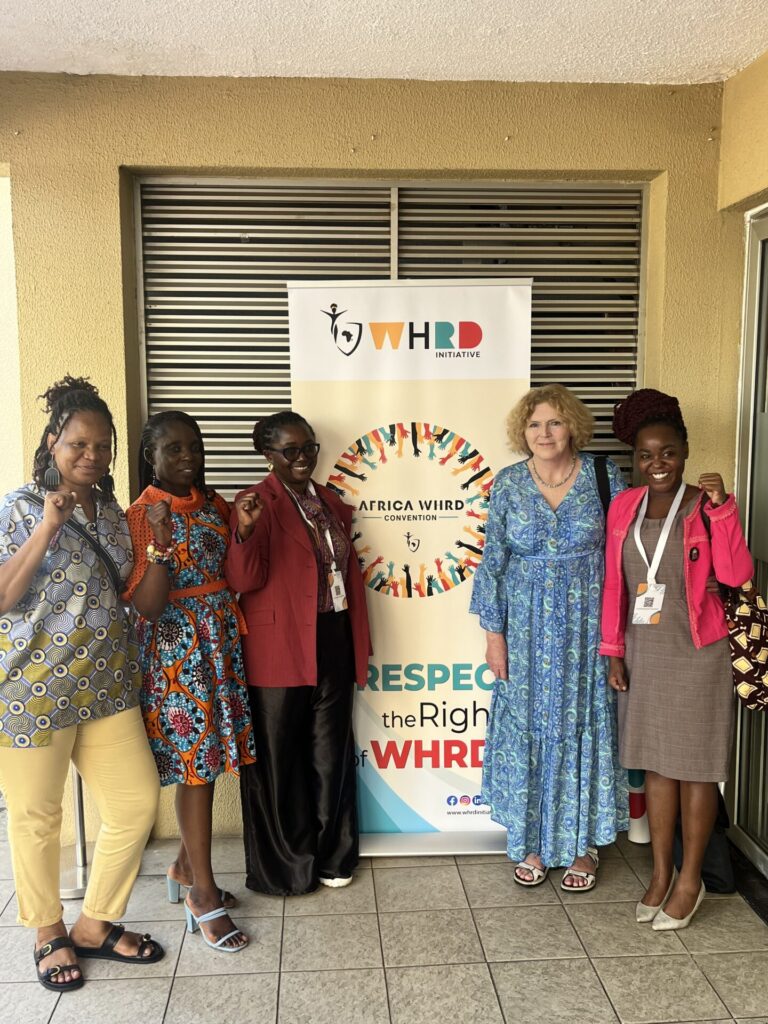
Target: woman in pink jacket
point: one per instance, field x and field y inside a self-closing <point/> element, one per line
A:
<point x="665" y="631"/>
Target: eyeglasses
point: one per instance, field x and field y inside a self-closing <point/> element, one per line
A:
<point x="293" y="451"/>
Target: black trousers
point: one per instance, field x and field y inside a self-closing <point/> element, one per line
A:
<point x="299" y="798"/>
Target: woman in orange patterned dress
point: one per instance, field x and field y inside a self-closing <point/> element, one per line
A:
<point x="193" y="696"/>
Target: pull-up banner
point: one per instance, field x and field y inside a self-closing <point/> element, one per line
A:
<point x="408" y="385"/>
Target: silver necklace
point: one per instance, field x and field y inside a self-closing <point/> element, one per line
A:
<point x="560" y="482"/>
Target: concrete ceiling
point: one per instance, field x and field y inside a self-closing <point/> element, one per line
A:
<point x="656" y="41"/>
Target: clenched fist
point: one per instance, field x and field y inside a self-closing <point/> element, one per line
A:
<point x="713" y="484"/>
<point x="248" y="509"/>
<point x="159" y="519"/>
<point x="58" y="507"/>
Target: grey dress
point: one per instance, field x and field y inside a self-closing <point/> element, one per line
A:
<point x="676" y="718"/>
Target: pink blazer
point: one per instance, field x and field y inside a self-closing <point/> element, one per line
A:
<point x="724" y="554"/>
<point x="275" y="573"/>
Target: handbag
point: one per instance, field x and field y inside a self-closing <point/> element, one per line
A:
<point x="746" y="615"/>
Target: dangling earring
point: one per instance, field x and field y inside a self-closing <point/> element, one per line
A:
<point x="156" y="482"/>
<point x="270" y="466"/>
<point x="52" y="476"/>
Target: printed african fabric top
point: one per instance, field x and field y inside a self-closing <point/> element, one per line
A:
<point x="67" y="650"/>
<point x="193" y="695"/>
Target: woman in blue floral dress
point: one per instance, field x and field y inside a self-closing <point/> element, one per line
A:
<point x="193" y="696"/>
<point x="551" y="774"/>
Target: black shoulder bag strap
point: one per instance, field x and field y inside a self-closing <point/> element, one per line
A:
<point x="603" y="483"/>
<point x="106" y="559"/>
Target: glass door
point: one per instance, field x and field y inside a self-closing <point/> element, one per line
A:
<point x="748" y="789"/>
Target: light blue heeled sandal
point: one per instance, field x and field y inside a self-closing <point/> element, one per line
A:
<point x="193" y="925"/>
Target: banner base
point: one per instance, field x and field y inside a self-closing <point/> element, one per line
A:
<point x="430" y="844"/>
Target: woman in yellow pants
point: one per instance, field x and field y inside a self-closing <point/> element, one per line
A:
<point x="69" y="687"/>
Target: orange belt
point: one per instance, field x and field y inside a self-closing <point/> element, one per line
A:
<point x="204" y="588"/>
<point x="211" y="588"/>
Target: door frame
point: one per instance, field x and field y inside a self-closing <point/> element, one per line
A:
<point x="756" y="225"/>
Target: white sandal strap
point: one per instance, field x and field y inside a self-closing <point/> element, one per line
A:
<point x="223" y="939"/>
<point x="212" y="915"/>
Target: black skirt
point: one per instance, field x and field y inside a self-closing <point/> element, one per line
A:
<point x="299" y="798"/>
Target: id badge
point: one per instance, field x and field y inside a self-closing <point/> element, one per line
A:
<point x="650" y="598"/>
<point x="338" y="593"/>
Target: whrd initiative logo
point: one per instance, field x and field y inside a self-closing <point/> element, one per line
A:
<point x="446" y="339"/>
<point x="422" y="490"/>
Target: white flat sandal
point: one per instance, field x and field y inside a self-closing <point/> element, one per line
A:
<point x="539" y="874"/>
<point x="590" y="876"/>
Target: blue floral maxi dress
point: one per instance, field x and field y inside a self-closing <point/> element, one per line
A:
<point x="551" y="771"/>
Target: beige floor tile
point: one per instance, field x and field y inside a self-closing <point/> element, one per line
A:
<point x="27" y="1003"/>
<point x="610" y="929"/>
<point x="644" y="871"/>
<point x="482" y="858"/>
<point x="6" y="869"/>
<point x="119" y="1002"/>
<point x="333" y="997"/>
<point x="425" y="995"/>
<point x="424" y="937"/>
<point x="228" y="856"/>
<point x="728" y="926"/>
<point x="494" y="885"/>
<point x="244" y="998"/>
<point x="632" y="851"/>
<point x="413" y="862"/>
<point x="656" y="988"/>
<point x="616" y="881"/>
<point x="551" y="992"/>
<point x="527" y="933"/>
<point x="741" y="980"/>
<point x="437" y="888"/>
<point x="261" y="955"/>
<point x="357" y="898"/>
<point x="330" y="943"/>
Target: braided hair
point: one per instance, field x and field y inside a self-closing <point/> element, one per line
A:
<point x="153" y="430"/>
<point x="643" y="408"/>
<point x="265" y="430"/>
<point x="63" y="400"/>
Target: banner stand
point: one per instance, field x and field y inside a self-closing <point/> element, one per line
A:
<point x="408" y="384"/>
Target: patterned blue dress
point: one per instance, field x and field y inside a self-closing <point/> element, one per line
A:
<point x="551" y="771"/>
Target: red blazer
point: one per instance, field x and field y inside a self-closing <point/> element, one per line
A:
<point x="275" y="573"/>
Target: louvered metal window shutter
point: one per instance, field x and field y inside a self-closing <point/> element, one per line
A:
<point x="215" y="258"/>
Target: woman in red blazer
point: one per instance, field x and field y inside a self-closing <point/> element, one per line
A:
<point x="303" y="599"/>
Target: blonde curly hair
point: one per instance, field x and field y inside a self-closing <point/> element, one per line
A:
<point x="578" y="418"/>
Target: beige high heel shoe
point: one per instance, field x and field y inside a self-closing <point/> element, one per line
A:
<point x="664" y="923"/>
<point x="644" y="914"/>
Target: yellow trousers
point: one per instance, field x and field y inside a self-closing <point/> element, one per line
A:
<point x="114" y="759"/>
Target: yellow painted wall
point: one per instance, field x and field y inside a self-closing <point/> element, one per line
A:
<point x="73" y="143"/>
<point x="744" y="151"/>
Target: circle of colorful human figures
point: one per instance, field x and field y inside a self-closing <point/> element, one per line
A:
<point x="437" y="443"/>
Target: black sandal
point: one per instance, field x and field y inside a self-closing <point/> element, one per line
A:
<point x="107" y="951"/>
<point x="44" y="977"/>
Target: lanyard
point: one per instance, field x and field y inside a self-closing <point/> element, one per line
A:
<point x="653" y="568"/>
<point x="310" y="524"/>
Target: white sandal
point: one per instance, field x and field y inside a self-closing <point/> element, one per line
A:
<point x="590" y="876"/>
<point x="539" y="874"/>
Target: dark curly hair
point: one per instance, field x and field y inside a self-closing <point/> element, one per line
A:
<point x="151" y="434"/>
<point x="643" y="408"/>
<point x="265" y="430"/>
<point x="63" y="400"/>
